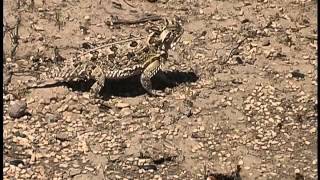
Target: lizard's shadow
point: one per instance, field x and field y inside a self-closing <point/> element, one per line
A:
<point x="131" y="87"/>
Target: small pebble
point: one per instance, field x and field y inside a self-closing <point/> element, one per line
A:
<point x="73" y="171"/>
<point x="266" y="42"/>
<point x="122" y="105"/>
<point x="87" y="18"/>
<point x="313" y="130"/>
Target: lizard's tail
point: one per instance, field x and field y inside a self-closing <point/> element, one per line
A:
<point x="46" y="84"/>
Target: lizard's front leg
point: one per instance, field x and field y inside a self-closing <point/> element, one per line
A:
<point x="145" y="79"/>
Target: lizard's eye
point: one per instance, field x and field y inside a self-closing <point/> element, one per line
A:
<point x="130" y="55"/>
<point x="113" y="48"/>
<point x="133" y="44"/>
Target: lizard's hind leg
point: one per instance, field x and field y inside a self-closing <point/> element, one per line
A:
<point x="97" y="86"/>
<point x="100" y="78"/>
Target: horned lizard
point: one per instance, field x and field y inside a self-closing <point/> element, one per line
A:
<point x="141" y="59"/>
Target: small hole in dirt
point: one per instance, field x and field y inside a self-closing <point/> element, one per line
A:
<point x="162" y="160"/>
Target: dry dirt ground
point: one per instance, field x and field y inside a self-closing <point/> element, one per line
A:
<point x="245" y="93"/>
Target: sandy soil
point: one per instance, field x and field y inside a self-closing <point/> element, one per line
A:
<point x="245" y="93"/>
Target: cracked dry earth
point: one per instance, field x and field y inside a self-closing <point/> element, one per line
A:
<point x="245" y="94"/>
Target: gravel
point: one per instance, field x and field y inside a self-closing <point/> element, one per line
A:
<point x="244" y="94"/>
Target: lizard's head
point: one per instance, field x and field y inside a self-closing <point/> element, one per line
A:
<point x="171" y="33"/>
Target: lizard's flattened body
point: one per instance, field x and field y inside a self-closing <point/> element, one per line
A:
<point x="118" y="62"/>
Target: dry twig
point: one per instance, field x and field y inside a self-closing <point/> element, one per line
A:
<point x="117" y="21"/>
<point x="128" y="3"/>
<point x="15" y="38"/>
<point x="233" y="50"/>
